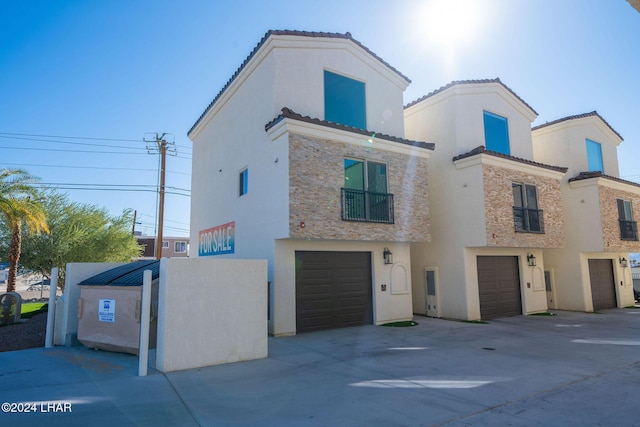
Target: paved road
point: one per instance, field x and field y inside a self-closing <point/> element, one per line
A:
<point x="570" y="369"/>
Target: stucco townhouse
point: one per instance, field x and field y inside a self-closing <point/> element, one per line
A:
<point x="591" y="272"/>
<point x="301" y="159"/>
<point x="496" y="210"/>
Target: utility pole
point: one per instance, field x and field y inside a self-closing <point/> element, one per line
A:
<point x="133" y="227"/>
<point x="162" y="149"/>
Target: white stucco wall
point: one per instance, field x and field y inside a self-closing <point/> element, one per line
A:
<point x="66" y="323"/>
<point x="211" y="311"/>
<point x="391" y="305"/>
<point x="299" y="81"/>
<point x="286" y="72"/>
<point x="564" y="144"/>
<point x="453" y="120"/>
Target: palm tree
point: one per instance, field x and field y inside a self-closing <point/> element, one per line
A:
<point x="19" y="203"/>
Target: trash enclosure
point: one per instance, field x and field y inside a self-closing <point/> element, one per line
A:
<point x="110" y="306"/>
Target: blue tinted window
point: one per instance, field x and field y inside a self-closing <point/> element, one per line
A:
<point x="496" y="133"/>
<point x="244" y="182"/>
<point x="344" y="101"/>
<point x="594" y="156"/>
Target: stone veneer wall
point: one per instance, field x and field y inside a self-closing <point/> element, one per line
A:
<point x="498" y="195"/>
<point x="316" y="175"/>
<point x="610" y="219"/>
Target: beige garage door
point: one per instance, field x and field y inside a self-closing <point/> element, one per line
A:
<point x="333" y="290"/>
<point x="499" y="286"/>
<point x="603" y="292"/>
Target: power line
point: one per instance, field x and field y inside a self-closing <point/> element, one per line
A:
<point x="146" y="224"/>
<point x="168" y="220"/>
<point x="71" y="143"/>
<point x="89" y="167"/>
<point x="82" y="151"/>
<point x="73" y="151"/>
<point x="113" y="185"/>
<point x="77" y="137"/>
<point x="110" y="189"/>
<point x="73" y="137"/>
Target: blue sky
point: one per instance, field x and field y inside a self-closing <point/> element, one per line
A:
<point x="107" y="72"/>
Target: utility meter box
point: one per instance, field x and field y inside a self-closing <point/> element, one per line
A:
<point x="110" y="307"/>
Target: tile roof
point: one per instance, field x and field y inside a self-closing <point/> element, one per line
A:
<point x="482" y="150"/>
<point x="597" y="174"/>
<point x="466" y="82"/>
<point x="594" y="113"/>
<point x="264" y="39"/>
<point x="289" y="114"/>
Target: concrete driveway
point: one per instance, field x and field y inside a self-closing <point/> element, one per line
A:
<point x="569" y="369"/>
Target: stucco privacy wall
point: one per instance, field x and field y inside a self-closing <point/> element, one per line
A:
<point x="211" y="311"/>
<point x="66" y="322"/>
<point x="316" y="175"/>
<point x="610" y="219"/>
<point x="499" y="210"/>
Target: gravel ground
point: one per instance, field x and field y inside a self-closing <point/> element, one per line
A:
<point x="29" y="334"/>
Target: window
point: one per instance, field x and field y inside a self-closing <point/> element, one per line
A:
<point x="364" y="195"/>
<point x="165" y="244"/>
<point x="496" y="133"/>
<point x="180" y="247"/>
<point x="344" y="100"/>
<point x="244" y="182"/>
<point x="628" y="227"/>
<point x="594" y="156"/>
<point x="526" y="215"/>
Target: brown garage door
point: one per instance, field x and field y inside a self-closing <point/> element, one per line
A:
<point x="333" y="290"/>
<point x="603" y="292"/>
<point x="499" y="286"/>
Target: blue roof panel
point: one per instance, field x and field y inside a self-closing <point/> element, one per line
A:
<point x="124" y="275"/>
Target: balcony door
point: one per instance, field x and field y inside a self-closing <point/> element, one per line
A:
<point x="365" y="191"/>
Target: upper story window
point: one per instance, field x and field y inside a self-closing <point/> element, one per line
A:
<point x="496" y="133"/>
<point x="628" y="227"/>
<point x="364" y="195"/>
<point x="244" y="182"/>
<point x="526" y="215"/>
<point x="180" y="247"/>
<point x="344" y="100"/>
<point x="594" y="156"/>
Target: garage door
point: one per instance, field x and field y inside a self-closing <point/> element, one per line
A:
<point x="333" y="290"/>
<point x="499" y="286"/>
<point x="603" y="292"/>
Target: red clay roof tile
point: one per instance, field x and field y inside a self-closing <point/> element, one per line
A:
<point x="289" y="114"/>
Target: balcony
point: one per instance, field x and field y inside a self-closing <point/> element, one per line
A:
<point x="528" y="220"/>
<point x="628" y="230"/>
<point x="365" y="206"/>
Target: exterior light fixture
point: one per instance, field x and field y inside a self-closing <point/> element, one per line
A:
<point x="388" y="256"/>
<point x="531" y="260"/>
<point x="623" y="262"/>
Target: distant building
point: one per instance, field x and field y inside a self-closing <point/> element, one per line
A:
<point x="172" y="247"/>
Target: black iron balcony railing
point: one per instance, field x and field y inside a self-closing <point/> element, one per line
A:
<point x="366" y="206"/>
<point x="628" y="230"/>
<point x="528" y="220"/>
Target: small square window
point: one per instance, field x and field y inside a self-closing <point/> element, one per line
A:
<point x="165" y="244"/>
<point x="244" y="182"/>
<point x="180" y="247"/>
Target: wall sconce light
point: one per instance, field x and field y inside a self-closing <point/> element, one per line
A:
<point x="623" y="262"/>
<point x="388" y="256"/>
<point x="531" y="260"/>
